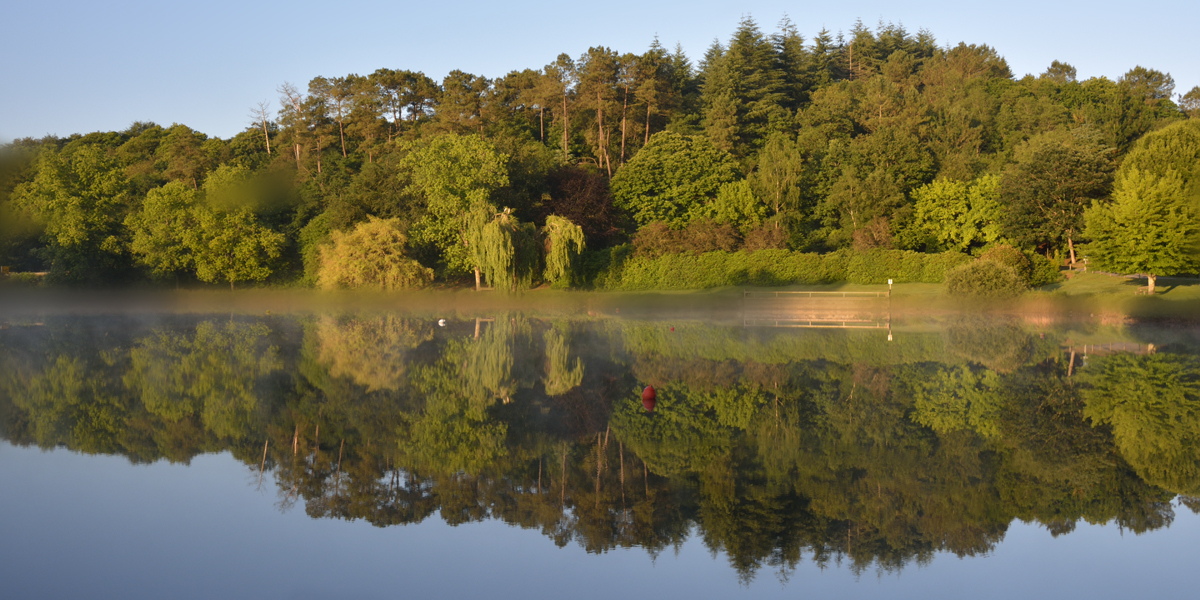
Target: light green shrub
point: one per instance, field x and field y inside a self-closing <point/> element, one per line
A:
<point x="371" y="257"/>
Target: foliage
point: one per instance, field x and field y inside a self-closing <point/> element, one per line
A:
<point x="1175" y="147"/>
<point x="373" y="352"/>
<point x="984" y="279"/>
<point x="312" y="237"/>
<point x="1044" y="271"/>
<point x="160" y="229"/>
<point x="1151" y="224"/>
<point x="371" y="257"/>
<point x="231" y="245"/>
<point x="81" y="197"/>
<point x="505" y="250"/>
<point x="1012" y="258"/>
<point x="564" y="240"/>
<point x="452" y="173"/>
<point x="580" y="194"/>
<point x="735" y="204"/>
<point x="1054" y="179"/>
<point x="1152" y="404"/>
<point x="1150" y="227"/>
<point x="775" y="268"/>
<point x="956" y="215"/>
<point x="670" y="178"/>
<point x="874" y="140"/>
<point x="700" y="236"/>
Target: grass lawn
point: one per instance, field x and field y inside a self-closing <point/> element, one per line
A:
<point x="1098" y="284"/>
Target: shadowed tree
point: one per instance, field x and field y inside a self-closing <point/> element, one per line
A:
<point x="1054" y="179"/>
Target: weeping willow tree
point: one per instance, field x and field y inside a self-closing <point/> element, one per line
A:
<point x="503" y="248"/>
<point x="560" y="377"/>
<point x="492" y="365"/>
<point x="564" y="240"/>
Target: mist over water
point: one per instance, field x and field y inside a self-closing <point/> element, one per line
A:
<point x="232" y="443"/>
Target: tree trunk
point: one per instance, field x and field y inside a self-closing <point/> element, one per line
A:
<point x="318" y="154"/>
<point x="542" y="122"/>
<point x="603" y="139"/>
<point x="342" y="134"/>
<point x="624" y="110"/>
<point x="566" y="124"/>
<point x="1150" y="280"/>
<point x="477" y="281"/>
<point x="647" y="140"/>
<point x="603" y="148"/>
<point x="266" y="137"/>
<point x="1071" y="247"/>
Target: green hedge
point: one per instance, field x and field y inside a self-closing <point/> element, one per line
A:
<point x="620" y="271"/>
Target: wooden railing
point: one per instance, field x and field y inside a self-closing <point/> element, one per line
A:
<point x="750" y="294"/>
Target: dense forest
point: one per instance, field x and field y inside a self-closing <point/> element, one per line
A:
<point x="866" y="141"/>
<point x="771" y="447"/>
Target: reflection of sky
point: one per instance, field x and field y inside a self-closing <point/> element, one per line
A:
<point x="75" y="526"/>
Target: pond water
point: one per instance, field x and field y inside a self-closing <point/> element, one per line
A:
<point x="796" y="447"/>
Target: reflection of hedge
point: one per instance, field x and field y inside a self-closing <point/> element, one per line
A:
<point x="775" y="267"/>
<point x="773" y="346"/>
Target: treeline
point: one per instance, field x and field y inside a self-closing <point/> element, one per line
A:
<point x="875" y="139"/>
<point x="768" y="446"/>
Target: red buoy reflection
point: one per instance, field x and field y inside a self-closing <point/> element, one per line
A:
<point x="648" y="398"/>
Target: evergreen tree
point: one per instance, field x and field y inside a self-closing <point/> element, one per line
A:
<point x="744" y="92"/>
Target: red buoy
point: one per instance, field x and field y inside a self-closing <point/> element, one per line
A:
<point x="648" y="398"/>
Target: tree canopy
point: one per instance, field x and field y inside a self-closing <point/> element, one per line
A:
<point x="870" y="139"/>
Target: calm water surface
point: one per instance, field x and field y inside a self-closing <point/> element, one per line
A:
<point x="510" y="454"/>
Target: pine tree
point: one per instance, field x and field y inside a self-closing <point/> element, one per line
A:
<point x="743" y="91"/>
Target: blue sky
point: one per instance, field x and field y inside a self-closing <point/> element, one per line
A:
<point x="73" y="66"/>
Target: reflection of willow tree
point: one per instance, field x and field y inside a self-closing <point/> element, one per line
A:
<point x="886" y="455"/>
<point x="561" y="377"/>
<point x="456" y="429"/>
<point x="373" y="352"/>
<point x="1152" y="404"/>
<point x="497" y="364"/>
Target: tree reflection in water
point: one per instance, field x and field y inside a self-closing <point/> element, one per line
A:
<point x="771" y="446"/>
